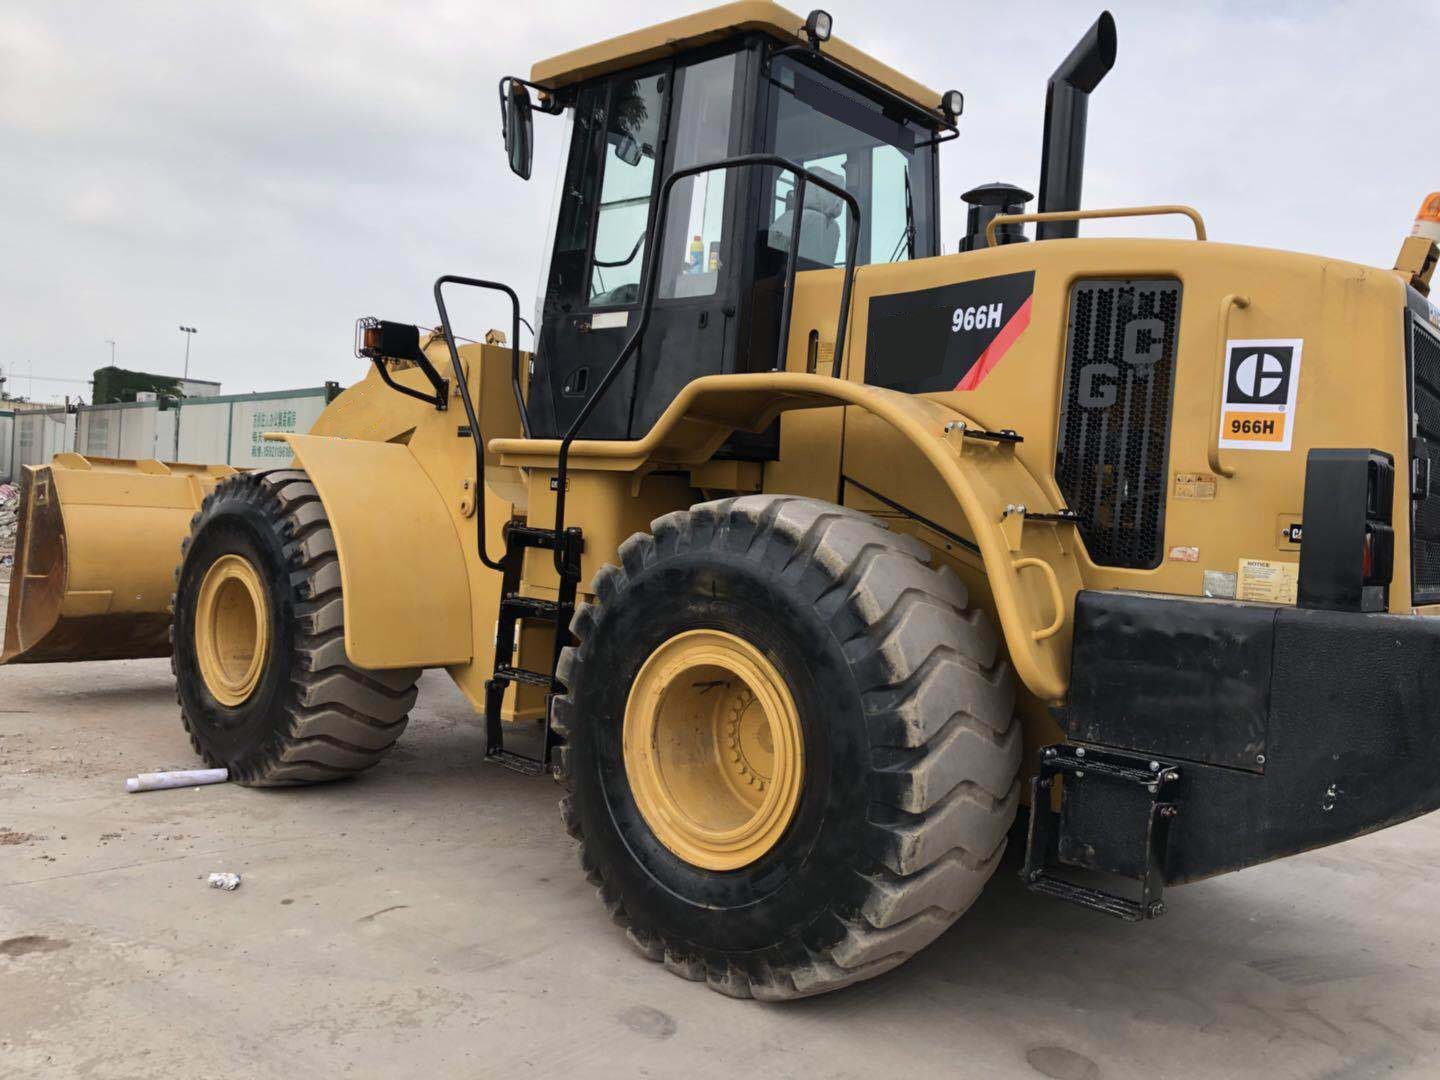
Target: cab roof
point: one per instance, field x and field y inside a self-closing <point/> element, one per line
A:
<point x="716" y="24"/>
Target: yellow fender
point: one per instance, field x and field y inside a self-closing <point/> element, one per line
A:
<point x="402" y="567"/>
<point x="1032" y="569"/>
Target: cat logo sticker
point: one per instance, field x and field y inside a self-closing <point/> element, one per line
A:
<point x="1262" y="382"/>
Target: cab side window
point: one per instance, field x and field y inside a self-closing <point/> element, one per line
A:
<point x="690" y="265"/>
<point x="632" y="140"/>
<point x="852" y="142"/>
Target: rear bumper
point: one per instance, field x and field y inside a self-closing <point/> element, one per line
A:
<point x="1290" y="728"/>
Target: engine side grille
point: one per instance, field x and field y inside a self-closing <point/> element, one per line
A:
<point x="1425" y="520"/>
<point x="1113" y="448"/>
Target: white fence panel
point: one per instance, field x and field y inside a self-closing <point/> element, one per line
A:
<point x="204" y="432"/>
<point x="99" y="431"/>
<point x="137" y="433"/>
<point x="7" y="436"/>
<point x="39" y="436"/>
<point x="213" y="431"/>
<point x="127" y="431"/>
<point x="248" y="448"/>
<point x="167" y="423"/>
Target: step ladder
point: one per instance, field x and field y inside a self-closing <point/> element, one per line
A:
<point x="529" y="752"/>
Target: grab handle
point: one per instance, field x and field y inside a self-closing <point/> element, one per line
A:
<point x="1056" y="596"/>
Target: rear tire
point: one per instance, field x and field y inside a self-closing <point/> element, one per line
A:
<point x="290" y="709"/>
<point x="911" y="752"/>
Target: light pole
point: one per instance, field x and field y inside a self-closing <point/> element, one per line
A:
<point x="111" y="343"/>
<point x="188" y="331"/>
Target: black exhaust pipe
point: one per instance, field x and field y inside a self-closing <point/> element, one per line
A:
<point x="1067" y="103"/>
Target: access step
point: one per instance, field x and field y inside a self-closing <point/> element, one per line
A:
<point x="523" y="675"/>
<point x="530" y="607"/>
<point x="533" y="748"/>
<point x="530" y="536"/>
<point x="1105" y="903"/>
<point x="517" y="763"/>
<point x="1111" y="826"/>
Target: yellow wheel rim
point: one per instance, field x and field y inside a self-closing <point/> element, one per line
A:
<point x="232" y="629"/>
<point x="713" y="749"/>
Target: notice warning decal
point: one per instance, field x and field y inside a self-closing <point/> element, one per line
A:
<point x="1267" y="581"/>
<point x="1262" y="382"/>
<point x="948" y="338"/>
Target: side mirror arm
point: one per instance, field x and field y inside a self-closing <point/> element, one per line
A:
<point x="549" y="102"/>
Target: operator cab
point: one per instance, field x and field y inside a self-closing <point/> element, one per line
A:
<point x="742" y="79"/>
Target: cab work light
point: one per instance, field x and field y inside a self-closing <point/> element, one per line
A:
<point x="817" y="27"/>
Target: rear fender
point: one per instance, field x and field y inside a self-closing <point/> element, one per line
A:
<point x="1031" y="568"/>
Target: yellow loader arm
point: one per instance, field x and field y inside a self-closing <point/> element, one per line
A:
<point x="99" y="540"/>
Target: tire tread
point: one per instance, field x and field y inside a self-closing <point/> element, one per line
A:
<point x="939" y="704"/>
<point x="339" y="719"/>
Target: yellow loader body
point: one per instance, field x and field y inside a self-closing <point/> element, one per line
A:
<point x="862" y="554"/>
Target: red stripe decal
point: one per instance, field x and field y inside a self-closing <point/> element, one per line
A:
<point x="997" y="348"/>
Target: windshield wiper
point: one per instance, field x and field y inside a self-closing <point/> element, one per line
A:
<point x="628" y="258"/>
<point x="907" y="238"/>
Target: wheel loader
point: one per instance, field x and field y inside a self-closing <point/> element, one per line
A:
<point x="805" y="554"/>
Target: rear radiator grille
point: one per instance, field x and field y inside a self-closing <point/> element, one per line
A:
<point x="1114" y="440"/>
<point x="1425" y="401"/>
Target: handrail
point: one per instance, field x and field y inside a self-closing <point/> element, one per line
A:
<point x="652" y="261"/>
<point x="1212" y="447"/>
<point x="1086" y="215"/>
<point x="461" y="385"/>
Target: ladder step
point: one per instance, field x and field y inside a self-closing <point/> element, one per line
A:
<point x="522" y="675"/>
<point x="1095" y="899"/>
<point x="517" y="763"/>
<point x="530" y="607"/>
<point x="530" y="536"/>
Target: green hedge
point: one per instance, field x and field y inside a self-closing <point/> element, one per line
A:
<point x="113" y="384"/>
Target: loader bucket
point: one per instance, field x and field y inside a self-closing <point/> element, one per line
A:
<point x="98" y="543"/>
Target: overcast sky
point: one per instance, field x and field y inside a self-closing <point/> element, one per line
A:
<point x="268" y="171"/>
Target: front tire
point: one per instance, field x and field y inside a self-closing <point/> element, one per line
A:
<point x="906" y="748"/>
<point x="257" y="641"/>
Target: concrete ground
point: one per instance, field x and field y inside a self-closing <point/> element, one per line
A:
<point x="429" y="920"/>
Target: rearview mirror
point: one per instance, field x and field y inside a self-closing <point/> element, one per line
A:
<point x="519" y="129"/>
<point x="628" y="150"/>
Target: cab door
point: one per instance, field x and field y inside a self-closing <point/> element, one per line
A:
<point x="629" y="132"/>
<point x="602" y="233"/>
<point x="691" y="332"/>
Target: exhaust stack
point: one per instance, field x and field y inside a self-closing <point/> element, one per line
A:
<point x="1067" y="104"/>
